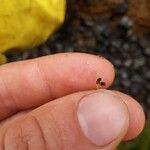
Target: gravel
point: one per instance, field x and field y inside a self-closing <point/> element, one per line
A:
<point x="129" y="52"/>
<point x="120" y="9"/>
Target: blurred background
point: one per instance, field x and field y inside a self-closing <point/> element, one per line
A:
<point x="116" y="29"/>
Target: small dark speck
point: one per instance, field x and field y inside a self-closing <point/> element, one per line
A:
<point x="98" y="80"/>
<point x="103" y="83"/>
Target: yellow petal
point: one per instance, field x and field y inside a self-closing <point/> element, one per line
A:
<point x="28" y="23"/>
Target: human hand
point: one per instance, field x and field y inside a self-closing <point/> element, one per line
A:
<point x="49" y="103"/>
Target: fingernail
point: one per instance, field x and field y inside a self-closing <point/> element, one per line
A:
<point x="103" y="117"/>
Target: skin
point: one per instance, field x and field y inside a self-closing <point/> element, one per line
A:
<point x="44" y="87"/>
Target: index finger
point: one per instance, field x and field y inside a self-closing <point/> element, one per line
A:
<point x="31" y="83"/>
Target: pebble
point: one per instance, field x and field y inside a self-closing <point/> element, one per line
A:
<point x="118" y="63"/>
<point x="143" y="42"/>
<point x="126" y="83"/>
<point x="88" y="22"/>
<point x="147" y="74"/>
<point x="25" y="55"/>
<point x="120" y="9"/>
<point x="124" y="75"/>
<point x="137" y="78"/>
<point x="116" y="43"/>
<point x="147" y="52"/>
<point x="139" y="62"/>
<point x="128" y="63"/>
<point x="45" y="50"/>
<point x="126" y="22"/>
<point x="136" y="88"/>
<point x="126" y="47"/>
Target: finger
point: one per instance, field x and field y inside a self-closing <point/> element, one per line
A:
<point x="86" y="120"/>
<point x="137" y="117"/>
<point x="29" y="84"/>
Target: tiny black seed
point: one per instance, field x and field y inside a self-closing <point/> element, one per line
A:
<point x="98" y="80"/>
<point x="103" y="83"/>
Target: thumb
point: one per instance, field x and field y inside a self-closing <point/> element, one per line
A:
<point x="81" y="121"/>
<point x="104" y="119"/>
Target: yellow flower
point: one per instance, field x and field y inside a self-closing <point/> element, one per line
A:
<point x="28" y="23"/>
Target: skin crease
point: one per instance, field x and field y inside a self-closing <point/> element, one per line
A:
<point x="68" y="73"/>
<point x="135" y="127"/>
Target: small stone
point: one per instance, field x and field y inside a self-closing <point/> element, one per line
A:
<point x="133" y="38"/>
<point x="89" y="22"/>
<point x="117" y="62"/>
<point x="139" y="62"/>
<point x="69" y="49"/>
<point x="126" y="46"/>
<point x="102" y="48"/>
<point x="130" y="32"/>
<point x="136" y="88"/>
<point x="45" y="50"/>
<point x="120" y="9"/>
<point x="137" y="78"/>
<point x="148" y="100"/>
<point x="25" y="55"/>
<point x="126" y="22"/>
<point x="124" y="75"/>
<point x="147" y="51"/>
<point x="147" y="74"/>
<point x="100" y="28"/>
<point x="59" y="46"/>
<point x="128" y="62"/>
<point x="116" y="43"/>
<point x="90" y="42"/>
<point x="126" y="83"/>
<point x="143" y="42"/>
<point x="35" y="53"/>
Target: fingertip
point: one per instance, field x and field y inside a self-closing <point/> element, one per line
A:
<point x="103" y="126"/>
<point x="99" y="67"/>
<point x="108" y="71"/>
<point x="84" y="69"/>
<point x="137" y="116"/>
